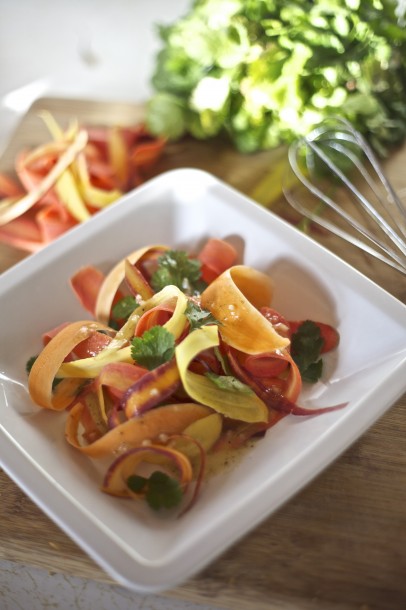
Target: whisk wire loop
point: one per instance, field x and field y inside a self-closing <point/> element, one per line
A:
<point x="334" y="141"/>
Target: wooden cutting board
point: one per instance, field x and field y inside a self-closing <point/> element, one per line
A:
<point x="339" y="544"/>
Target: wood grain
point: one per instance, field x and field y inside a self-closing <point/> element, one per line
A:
<point x="339" y="544"/>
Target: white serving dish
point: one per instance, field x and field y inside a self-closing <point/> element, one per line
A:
<point x="181" y="208"/>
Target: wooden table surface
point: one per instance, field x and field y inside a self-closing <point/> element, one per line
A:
<point x="338" y="544"/>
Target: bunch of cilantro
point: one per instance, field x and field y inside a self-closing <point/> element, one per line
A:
<point x="267" y="71"/>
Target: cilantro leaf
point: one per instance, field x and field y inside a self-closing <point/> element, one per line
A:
<point x="222" y="358"/>
<point x="198" y="317"/>
<point x="176" y="268"/>
<point x="156" y="346"/>
<point x="136" y="483"/>
<point x="313" y="372"/>
<point x="161" y="490"/>
<point x="306" y="346"/>
<point x="29" y="364"/>
<point x="229" y="383"/>
<point x="123" y="308"/>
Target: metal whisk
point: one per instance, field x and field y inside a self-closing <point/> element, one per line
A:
<point x="341" y="186"/>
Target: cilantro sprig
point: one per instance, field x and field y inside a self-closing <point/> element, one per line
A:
<point x="306" y="346"/>
<point x="123" y="308"/>
<point x="176" y="268"/>
<point x="198" y="316"/>
<point x="155" y="347"/>
<point x="161" y="490"/>
<point x="229" y="383"/>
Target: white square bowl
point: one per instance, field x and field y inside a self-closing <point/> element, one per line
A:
<point x="182" y="208"/>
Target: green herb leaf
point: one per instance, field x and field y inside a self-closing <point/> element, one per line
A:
<point x="160" y="490"/>
<point x="123" y="308"/>
<point x="306" y="346"/>
<point x="163" y="491"/>
<point x="29" y="364"/>
<point x="155" y="347"/>
<point x="229" y="383"/>
<point x="223" y="359"/>
<point x="176" y="268"/>
<point x="313" y="372"/>
<point x="198" y="317"/>
<point x="136" y="483"/>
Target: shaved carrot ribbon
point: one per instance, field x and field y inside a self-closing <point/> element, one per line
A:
<point x="47" y="364"/>
<point x="112" y="282"/>
<point x="234" y="299"/>
<point x="242" y="406"/>
<point x="216" y="256"/>
<point x="86" y="284"/>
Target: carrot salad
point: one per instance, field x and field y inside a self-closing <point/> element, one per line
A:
<point x="183" y="357"/>
<point x="68" y="179"/>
